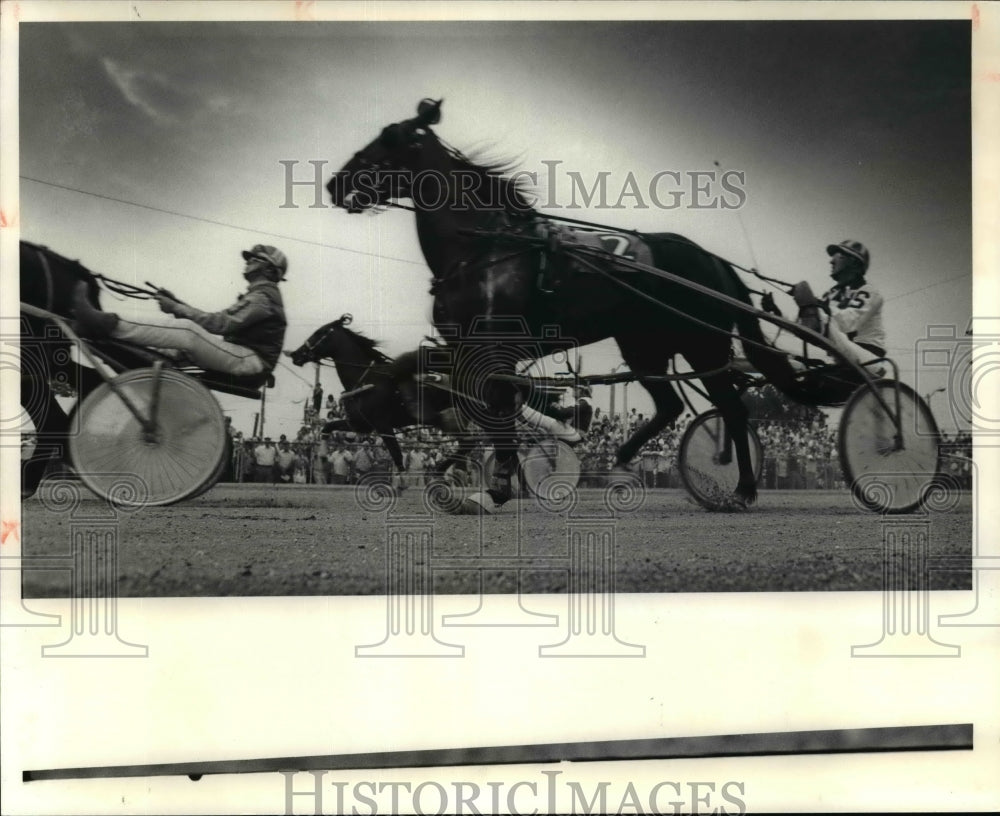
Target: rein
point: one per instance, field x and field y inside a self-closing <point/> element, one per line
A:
<point x="126" y="289"/>
<point x="580" y="255"/>
<point x="594" y="227"/>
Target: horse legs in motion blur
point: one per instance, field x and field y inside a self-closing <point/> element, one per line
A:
<point x="642" y="355"/>
<point x="645" y="352"/>
<point x="44" y="359"/>
<point x="487" y="262"/>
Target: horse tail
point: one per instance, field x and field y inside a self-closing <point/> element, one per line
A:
<point x="770" y="362"/>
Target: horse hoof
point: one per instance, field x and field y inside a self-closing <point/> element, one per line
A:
<point x="733" y="503"/>
<point x="479" y="504"/>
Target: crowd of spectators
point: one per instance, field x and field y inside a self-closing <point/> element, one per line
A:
<point x="799" y="450"/>
<point x="799" y="454"/>
<point x="337" y="458"/>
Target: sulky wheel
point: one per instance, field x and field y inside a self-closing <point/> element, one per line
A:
<point x="181" y="456"/>
<point x="550" y="467"/>
<point x="707" y="460"/>
<point x="214" y="478"/>
<point x="884" y="476"/>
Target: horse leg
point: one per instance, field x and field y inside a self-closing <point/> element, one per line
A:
<point x="502" y="434"/>
<point x="50" y="421"/>
<point x="336" y="425"/>
<point x="51" y="428"/>
<point x="498" y="424"/>
<point x="668" y="405"/>
<point x="668" y="408"/>
<point x="724" y="395"/>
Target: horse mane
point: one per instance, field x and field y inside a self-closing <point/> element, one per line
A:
<point x="512" y="194"/>
<point x="71" y="264"/>
<point x="367" y="344"/>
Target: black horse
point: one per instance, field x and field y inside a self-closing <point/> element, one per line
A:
<point x="493" y="258"/>
<point x="47" y="281"/>
<point x="383" y="395"/>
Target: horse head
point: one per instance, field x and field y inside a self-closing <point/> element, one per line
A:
<point x="49" y="279"/>
<point x="383" y="170"/>
<point x="321" y="343"/>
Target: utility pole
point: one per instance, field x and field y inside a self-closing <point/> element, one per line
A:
<point x="612" y="404"/>
<point x="263" y="405"/>
<point x="625" y="425"/>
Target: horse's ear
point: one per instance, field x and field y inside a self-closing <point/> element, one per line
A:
<point x="429" y="111"/>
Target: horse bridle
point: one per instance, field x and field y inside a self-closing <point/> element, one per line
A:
<point x="344" y="320"/>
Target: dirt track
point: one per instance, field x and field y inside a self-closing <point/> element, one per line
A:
<point x="294" y="540"/>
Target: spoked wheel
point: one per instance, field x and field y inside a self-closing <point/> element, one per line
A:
<point x="182" y="456"/>
<point x="884" y="476"/>
<point x="707" y="460"/>
<point x="550" y="468"/>
<point x="212" y="480"/>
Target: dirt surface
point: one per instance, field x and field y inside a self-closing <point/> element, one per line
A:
<point x="246" y="540"/>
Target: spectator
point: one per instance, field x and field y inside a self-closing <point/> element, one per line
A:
<point x="228" y="473"/>
<point x="663" y="466"/>
<point x="238" y="455"/>
<point x="416" y="461"/>
<point x="320" y="466"/>
<point x="363" y="461"/>
<point x="340" y="464"/>
<point x="265" y="456"/>
<point x="649" y="463"/>
<point x="248" y="463"/>
<point x="300" y="468"/>
<point x="285" y="460"/>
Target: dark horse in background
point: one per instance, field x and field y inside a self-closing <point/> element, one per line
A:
<point x="479" y="236"/>
<point x="382" y="394"/>
<point x="47" y="281"/>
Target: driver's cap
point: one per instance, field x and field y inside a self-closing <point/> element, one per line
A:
<point x="269" y="254"/>
<point x="855" y="249"/>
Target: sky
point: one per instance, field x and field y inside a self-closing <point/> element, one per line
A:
<point x="154" y="152"/>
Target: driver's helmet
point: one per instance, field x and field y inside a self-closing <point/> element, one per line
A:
<point x="854" y="249"/>
<point x="270" y="255"/>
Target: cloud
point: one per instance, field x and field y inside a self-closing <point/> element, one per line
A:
<point x="162" y="100"/>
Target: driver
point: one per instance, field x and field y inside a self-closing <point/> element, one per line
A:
<point x="850" y="313"/>
<point x="244" y="340"/>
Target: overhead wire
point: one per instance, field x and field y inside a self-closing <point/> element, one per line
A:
<point x="221" y="223"/>
<point x="929" y="286"/>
